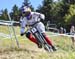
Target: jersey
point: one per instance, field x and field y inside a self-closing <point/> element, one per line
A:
<point x="35" y="18"/>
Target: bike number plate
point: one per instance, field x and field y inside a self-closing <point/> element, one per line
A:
<point x="34" y="30"/>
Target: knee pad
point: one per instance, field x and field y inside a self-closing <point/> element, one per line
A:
<point x="28" y="34"/>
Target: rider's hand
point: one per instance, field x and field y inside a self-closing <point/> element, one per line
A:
<point x="22" y="34"/>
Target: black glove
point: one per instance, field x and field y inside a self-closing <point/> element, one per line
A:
<point x="22" y="34"/>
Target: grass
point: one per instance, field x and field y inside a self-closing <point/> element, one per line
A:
<point x="29" y="50"/>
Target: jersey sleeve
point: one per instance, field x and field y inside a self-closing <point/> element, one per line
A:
<point x="23" y="23"/>
<point x="42" y="16"/>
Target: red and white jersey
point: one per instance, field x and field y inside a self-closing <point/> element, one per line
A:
<point x="35" y="18"/>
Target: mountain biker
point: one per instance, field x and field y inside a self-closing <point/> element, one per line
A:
<point x="33" y="19"/>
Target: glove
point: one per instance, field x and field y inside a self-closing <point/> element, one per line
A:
<point x="22" y="34"/>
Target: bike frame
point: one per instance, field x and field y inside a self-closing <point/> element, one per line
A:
<point x="40" y="38"/>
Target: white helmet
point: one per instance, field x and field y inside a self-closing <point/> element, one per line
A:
<point x="25" y="9"/>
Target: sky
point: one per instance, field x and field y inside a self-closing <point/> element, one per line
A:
<point x="10" y="3"/>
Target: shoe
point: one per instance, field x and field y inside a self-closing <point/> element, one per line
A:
<point x="54" y="48"/>
<point x="39" y="45"/>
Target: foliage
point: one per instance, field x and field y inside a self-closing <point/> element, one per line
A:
<point x="45" y="9"/>
<point x="70" y="16"/>
<point x="60" y="12"/>
<point x="4" y="14"/>
<point x="69" y="1"/>
<point x="27" y="3"/>
<point x="15" y="13"/>
<point x="54" y="11"/>
<point x="60" y="9"/>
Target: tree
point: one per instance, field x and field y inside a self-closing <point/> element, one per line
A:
<point x="15" y="13"/>
<point x="69" y="1"/>
<point x="1" y="12"/>
<point x="46" y="9"/>
<point x="54" y="11"/>
<point x="59" y="11"/>
<point x="4" y="15"/>
<point x="27" y="3"/>
<point x="70" y="17"/>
